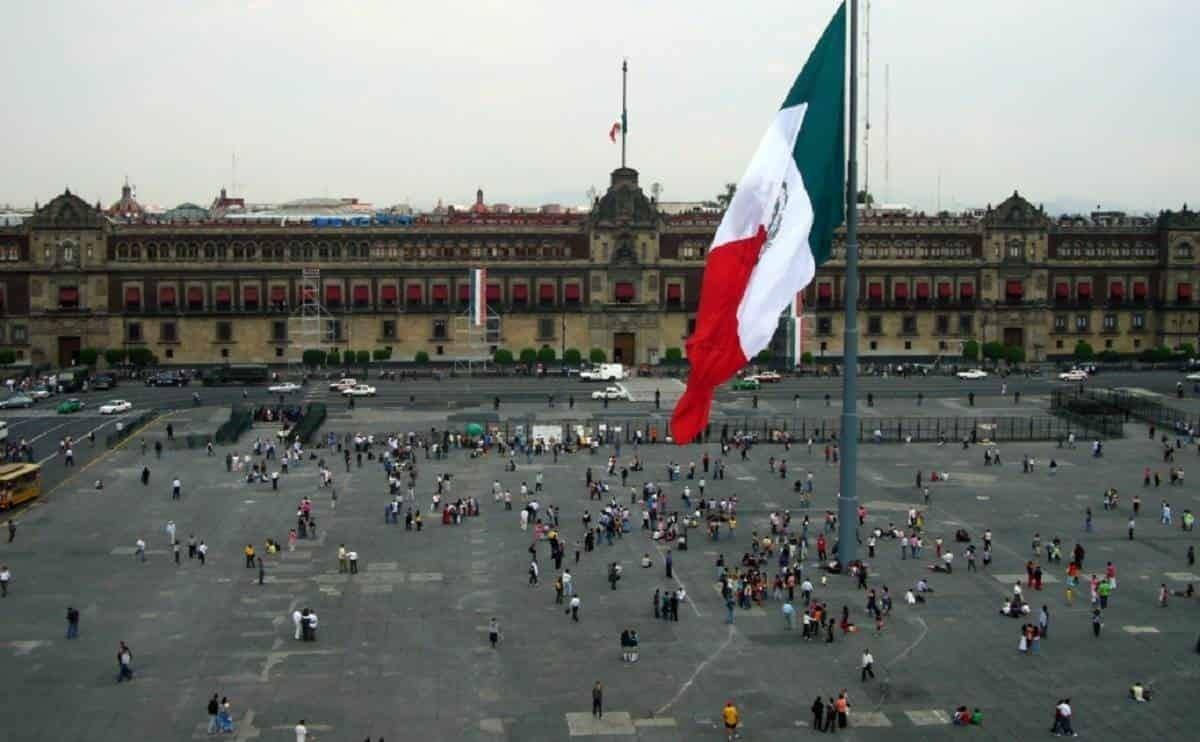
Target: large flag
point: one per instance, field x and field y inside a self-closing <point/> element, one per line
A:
<point x="777" y="229"/>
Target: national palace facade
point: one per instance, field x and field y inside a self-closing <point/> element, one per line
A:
<point x="624" y="278"/>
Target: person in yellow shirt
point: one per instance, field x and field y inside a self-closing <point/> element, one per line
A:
<point x="249" y="551"/>
<point x="730" y="715"/>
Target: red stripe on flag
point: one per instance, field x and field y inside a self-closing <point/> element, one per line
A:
<point x="612" y="132"/>
<point x="714" y="351"/>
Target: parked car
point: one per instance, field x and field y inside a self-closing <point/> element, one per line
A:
<point x="342" y="384"/>
<point x="746" y="384"/>
<point x="167" y="379"/>
<point x="1193" y="377"/>
<point x="286" y="387"/>
<point x="115" y="407"/>
<point x="359" y="390"/>
<point x="104" y="381"/>
<point x="68" y="406"/>
<point x="610" y="392"/>
<point x="41" y="392"/>
<point x="768" y="377"/>
<point x="16" y="400"/>
<point x="973" y="373"/>
<point x="1075" y="374"/>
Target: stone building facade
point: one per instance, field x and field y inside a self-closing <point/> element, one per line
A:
<point x="624" y="278"/>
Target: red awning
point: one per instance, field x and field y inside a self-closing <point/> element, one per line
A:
<point x="133" y="295"/>
<point x="195" y="295"/>
<point x="966" y="290"/>
<point x="1184" y="291"/>
<point x="571" y="292"/>
<point x="674" y="292"/>
<point x="875" y="290"/>
<point x="901" y="291"/>
<point x="412" y="293"/>
<point x="520" y="292"/>
<point x="279" y="295"/>
<point x="493" y="292"/>
<point x="388" y="293"/>
<point x="441" y="292"/>
<point x="1116" y="289"/>
<point x="333" y="294"/>
<point x="1084" y="289"/>
<point x="1139" y="290"/>
<point x="824" y="291"/>
<point x="464" y="293"/>
<point x="922" y="290"/>
<point x="362" y="294"/>
<point x="945" y="290"/>
<point x="166" y="296"/>
<point x="624" y="291"/>
<point x="68" y="295"/>
<point x="1014" y="288"/>
<point x="1062" y="290"/>
<point x="546" y="292"/>
<point x="249" y="295"/>
<point x="224" y="296"/>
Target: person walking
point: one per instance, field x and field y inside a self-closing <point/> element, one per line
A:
<point x="1044" y="622"/>
<point x="732" y="718"/>
<point x="868" y="665"/>
<point x="261" y="572"/>
<point x="1132" y="525"/>
<point x="343" y="562"/>
<point x="493" y="632"/>
<point x="5" y="578"/>
<point x="12" y="530"/>
<point x="124" y="663"/>
<point x="297" y="621"/>
<point x="1097" y="622"/>
<point x="670" y="564"/>
<point x="575" y="603"/>
<point x="72" y="622"/>
<point x="533" y="573"/>
<point x="301" y="732"/>
<point x="214" y="708"/>
<point x="202" y="553"/>
<point x="818" y="712"/>
<point x="140" y="550"/>
<point x="598" y="700"/>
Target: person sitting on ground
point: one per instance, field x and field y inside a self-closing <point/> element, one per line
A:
<point x="923" y="586"/>
<point x="912" y="599"/>
<point x="1138" y="692"/>
<point x="961" y="536"/>
<point x="646" y="563"/>
<point x="1014" y="608"/>
<point x="976" y="718"/>
<point x="962" y="717"/>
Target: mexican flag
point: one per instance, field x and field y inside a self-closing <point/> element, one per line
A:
<point x="775" y="232"/>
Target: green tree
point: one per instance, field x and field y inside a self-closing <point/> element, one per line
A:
<point x="8" y="356"/>
<point x="993" y="350"/>
<point x="1187" y="350"/>
<point x="725" y="198"/>
<point x="546" y="354"/>
<point x="421" y="357"/>
<point x="597" y="355"/>
<point x="764" y="356"/>
<point x="673" y="355"/>
<point x="382" y="354"/>
<point x="503" y="357"/>
<point x="971" y="350"/>
<point x="1014" y="354"/>
<point x="528" y="355"/>
<point x="333" y="357"/>
<point x="89" y="356"/>
<point x="1084" y="351"/>
<point x="1161" y="354"/>
<point x="141" y="356"/>
<point x="806" y="358"/>
<point x="864" y="198"/>
<point x="1109" y="356"/>
<point x="572" y="357"/>
<point x="363" y="357"/>
<point x="313" y="357"/>
<point x="114" y="356"/>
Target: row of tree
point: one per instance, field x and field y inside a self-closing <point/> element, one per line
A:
<point x="91" y="356"/>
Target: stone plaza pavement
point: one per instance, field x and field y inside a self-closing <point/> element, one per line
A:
<point x="403" y="652"/>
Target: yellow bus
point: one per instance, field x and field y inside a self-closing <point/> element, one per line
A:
<point x="19" y="483"/>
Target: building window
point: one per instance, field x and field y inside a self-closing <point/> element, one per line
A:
<point x="224" y="352"/>
<point x="966" y="324"/>
<point x="908" y="345"/>
<point x="439" y="329"/>
<point x="20" y="334"/>
<point x="278" y="353"/>
<point x="492" y="330"/>
<point x="333" y="330"/>
<point x="545" y="328"/>
<point x="909" y="325"/>
<point x="439" y="350"/>
<point x="1016" y="251"/>
<point x="1137" y="343"/>
<point x="1060" y="323"/>
<point x="168" y="332"/>
<point x="691" y="326"/>
<point x="279" y="331"/>
<point x="68" y="297"/>
<point x="824" y="325"/>
<point x="874" y="325"/>
<point x="1110" y="322"/>
<point x="1139" y="321"/>
<point x="1081" y="322"/>
<point x="943" y="324"/>
<point x="170" y="353"/>
<point x="1058" y="345"/>
<point x="623" y="292"/>
<point x="873" y="345"/>
<point x="224" y="331"/>
<point x="388" y="329"/>
<point x="1108" y="344"/>
<point x="133" y="332"/>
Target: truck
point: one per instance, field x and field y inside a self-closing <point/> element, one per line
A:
<point x="604" y="372"/>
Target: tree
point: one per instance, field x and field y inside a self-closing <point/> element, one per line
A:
<point x="806" y="358"/>
<point x="726" y="198"/>
<point x="503" y="357"/>
<point x="546" y="354"/>
<point x="8" y="356"/>
<point x="1084" y="351"/>
<point x="313" y="357"/>
<point x="993" y="350"/>
<point x="597" y="355"/>
<point x="864" y="198"/>
<point x="363" y="357"/>
<point x="421" y="357"/>
<point x="971" y="350"/>
<point x="572" y="357"/>
<point x="764" y="356"/>
<point x="141" y="356"/>
<point x="1109" y="356"/>
<point x="673" y="355"/>
<point x="1161" y="354"/>
<point x="114" y="356"/>
<point x="1187" y="350"/>
<point x="1014" y="354"/>
<point x="333" y="357"/>
<point x="89" y="356"/>
<point x="528" y="356"/>
<point x="382" y="354"/>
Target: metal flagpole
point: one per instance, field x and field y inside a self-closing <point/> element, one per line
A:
<point x="848" y="443"/>
<point x="624" y="113"/>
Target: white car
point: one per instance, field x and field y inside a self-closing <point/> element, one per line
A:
<point x="1189" y="377"/>
<point x="359" y="390"/>
<point x="972" y="373"/>
<point x="611" y="392"/>
<point x="40" y="392"/>
<point x="768" y="377"/>
<point x="342" y="385"/>
<point x="286" y="387"/>
<point x="1075" y="374"/>
<point x="115" y="407"/>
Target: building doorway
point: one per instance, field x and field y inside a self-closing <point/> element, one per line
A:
<point x="68" y="351"/>
<point x="1014" y="336"/>
<point x="624" y="348"/>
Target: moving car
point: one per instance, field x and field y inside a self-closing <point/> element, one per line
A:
<point x="16" y="400"/>
<point x="167" y="379"/>
<point x="768" y="377"/>
<point x="104" y="381"/>
<point x="359" y="390"/>
<point x="604" y="372"/>
<point x="746" y="384"/>
<point x="40" y="392"/>
<point x="70" y="405"/>
<point x="972" y="373"/>
<point x="115" y="407"/>
<point x="1075" y="374"/>
<point x="1193" y="377"/>
<point x="286" y="387"/>
<point x="342" y="384"/>
<point x="610" y="392"/>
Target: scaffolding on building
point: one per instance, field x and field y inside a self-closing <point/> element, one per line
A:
<point x="312" y="326"/>
<point x="478" y="340"/>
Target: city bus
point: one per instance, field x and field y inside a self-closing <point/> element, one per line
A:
<point x="19" y="483"/>
<point x="237" y="373"/>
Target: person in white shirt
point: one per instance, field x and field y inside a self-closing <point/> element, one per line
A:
<point x="301" y="732"/>
<point x="868" y="665"/>
<point x="575" y="603"/>
<point x="296" y="618"/>
<point x="140" y="550"/>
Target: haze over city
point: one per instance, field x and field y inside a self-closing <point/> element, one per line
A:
<point x="412" y="102"/>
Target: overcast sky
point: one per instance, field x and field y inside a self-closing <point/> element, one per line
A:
<point x="1073" y="103"/>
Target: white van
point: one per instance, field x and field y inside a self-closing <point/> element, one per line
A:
<point x="604" y="372"/>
